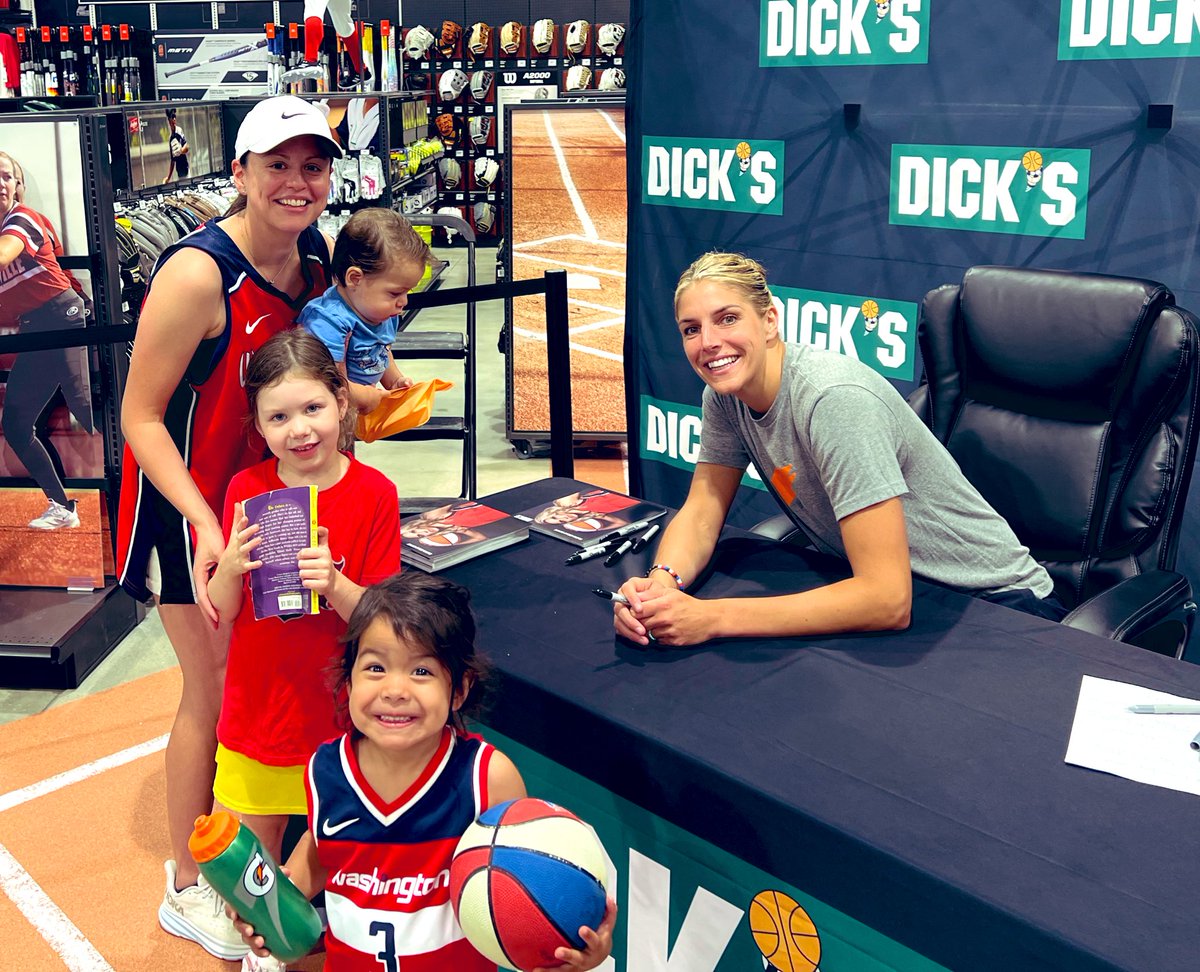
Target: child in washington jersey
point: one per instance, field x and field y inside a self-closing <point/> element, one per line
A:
<point x="276" y="707"/>
<point x="389" y="800"/>
<point x="377" y="259"/>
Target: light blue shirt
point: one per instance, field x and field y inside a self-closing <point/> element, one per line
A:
<point x="363" y="348"/>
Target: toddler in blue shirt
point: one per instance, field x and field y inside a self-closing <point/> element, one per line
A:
<point x="377" y="259"/>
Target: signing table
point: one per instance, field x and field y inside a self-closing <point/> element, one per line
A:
<point x="906" y="790"/>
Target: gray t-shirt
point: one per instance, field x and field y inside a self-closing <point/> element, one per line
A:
<point x="839" y="438"/>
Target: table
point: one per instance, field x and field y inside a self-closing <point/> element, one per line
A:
<point x="908" y="789"/>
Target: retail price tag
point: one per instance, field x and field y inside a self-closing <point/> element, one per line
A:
<point x="45" y="35"/>
<point x="587" y="61"/>
<point x="457" y="64"/>
<point x="618" y="61"/>
<point x="553" y="62"/>
<point x="269" y="29"/>
<point x="135" y="124"/>
<point x="458" y="109"/>
<point x="124" y="32"/>
<point x="520" y="62"/>
<point x="489" y="63"/>
<point x="20" y="35"/>
<point x="64" y="35"/>
<point x="88" y="33"/>
<point x="106" y="32"/>
<point x="293" y="31"/>
<point x="385" y="28"/>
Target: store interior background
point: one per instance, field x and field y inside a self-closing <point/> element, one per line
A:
<point x="420" y="469"/>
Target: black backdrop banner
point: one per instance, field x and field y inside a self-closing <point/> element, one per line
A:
<point x="868" y="151"/>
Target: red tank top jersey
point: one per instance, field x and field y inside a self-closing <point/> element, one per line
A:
<point x="34" y="277"/>
<point x="387" y="865"/>
<point x="277" y="707"/>
<point x="206" y="414"/>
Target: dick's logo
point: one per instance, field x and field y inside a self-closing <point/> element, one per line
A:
<point x="830" y="32"/>
<point x="880" y="333"/>
<point x="725" y="174"/>
<point x="1128" y="28"/>
<point x="991" y="189"/>
<point x="670" y="434"/>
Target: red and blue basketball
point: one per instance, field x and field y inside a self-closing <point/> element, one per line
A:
<point x="526" y="875"/>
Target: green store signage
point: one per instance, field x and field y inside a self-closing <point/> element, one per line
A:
<point x="705" y="173"/>
<point x="878" y="332"/>
<point x="686" y="904"/>
<point x="991" y="189"/>
<point x="1110" y="29"/>
<point x="824" y="33"/>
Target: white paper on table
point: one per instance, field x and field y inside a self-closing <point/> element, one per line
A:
<point x="1154" y="749"/>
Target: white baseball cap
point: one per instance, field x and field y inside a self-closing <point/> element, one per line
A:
<point x="273" y="121"/>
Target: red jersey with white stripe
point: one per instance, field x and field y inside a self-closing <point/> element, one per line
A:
<point x="34" y="276"/>
<point x="387" y="889"/>
<point x="206" y="414"/>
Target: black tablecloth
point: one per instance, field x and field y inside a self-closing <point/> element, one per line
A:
<point x="913" y="780"/>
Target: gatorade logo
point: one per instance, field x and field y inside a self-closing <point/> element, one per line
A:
<point x="991" y="189"/>
<point x="821" y="33"/>
<point x="878" y="332"/>
<point x="259" y="877"/>
<point x="723" y="174"/>
<point x="1110" y="29"/>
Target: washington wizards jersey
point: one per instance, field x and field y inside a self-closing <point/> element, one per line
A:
<point x="387" y="885"/>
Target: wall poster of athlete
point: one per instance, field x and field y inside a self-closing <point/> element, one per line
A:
<point x="50" y="534"/>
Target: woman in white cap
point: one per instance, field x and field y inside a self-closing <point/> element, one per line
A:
<point x="214" y="298"/>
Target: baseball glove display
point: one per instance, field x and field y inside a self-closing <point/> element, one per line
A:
<point x="417" y="42"/>
<point x="481" y="84"/>
<point x="448" y="41"/>
<point x="578" y="78"/>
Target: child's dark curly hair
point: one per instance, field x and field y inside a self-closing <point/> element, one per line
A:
<point x="425" y="610"/>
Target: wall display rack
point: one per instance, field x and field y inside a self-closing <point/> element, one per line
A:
<point x="471" y="115"/>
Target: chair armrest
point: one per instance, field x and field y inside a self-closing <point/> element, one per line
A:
<point x="1136" y="606"/>
<point x="780" y="527"/>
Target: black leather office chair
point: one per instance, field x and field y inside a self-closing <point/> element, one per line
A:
<point x="1069" y="401"/>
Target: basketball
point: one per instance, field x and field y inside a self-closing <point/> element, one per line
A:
<point x="784" y="933"/>
<point x="525" y="876"/>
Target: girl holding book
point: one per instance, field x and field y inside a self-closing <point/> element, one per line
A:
<point x="277" y="708"/>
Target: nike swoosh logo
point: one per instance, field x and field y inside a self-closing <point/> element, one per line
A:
<point x="250" y="327"/>
<point x="294" y="114"/>
<point x="330" y="831"/>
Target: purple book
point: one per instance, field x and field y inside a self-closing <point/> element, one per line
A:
<point x="287" y="523"/>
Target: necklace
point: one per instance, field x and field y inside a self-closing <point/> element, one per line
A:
<point x="278" y="270"/>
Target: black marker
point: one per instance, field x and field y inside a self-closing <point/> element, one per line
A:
<point x="625" y="531"/>
<point x="640" y="544"/>
<point x="620" y="552"/>
<point x="587" y="553"/>
<point x="610" y="595"/>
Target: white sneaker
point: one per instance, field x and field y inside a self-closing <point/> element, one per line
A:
<point x="198" y="914"/>
<point x="56" y="517"/>
<point x="256" y="963"/>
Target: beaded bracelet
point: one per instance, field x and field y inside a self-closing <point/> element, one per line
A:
<point x="664" y="567"/>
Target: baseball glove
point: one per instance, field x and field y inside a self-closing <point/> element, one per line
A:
<point x="543" y="35"/>
<point x="447" y="129"/>
<point x="479" y="41"/>
<point x="417" y="42"/>
<point x="577" y="36"/>
<point x="609" y="38"/>
<point x="510" y="37"/>
<point x="448" y="41"/>
<point x="578" y="78"/>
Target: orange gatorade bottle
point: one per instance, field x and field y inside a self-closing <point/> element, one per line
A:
<point x="234" y="862"/>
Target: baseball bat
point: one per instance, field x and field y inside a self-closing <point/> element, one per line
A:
<point x="244" y="49"/>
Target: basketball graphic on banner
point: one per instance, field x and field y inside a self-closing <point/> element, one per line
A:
<point x="784" y="932"/>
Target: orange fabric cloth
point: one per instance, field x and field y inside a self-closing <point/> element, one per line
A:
<point x="401" y="408"/>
